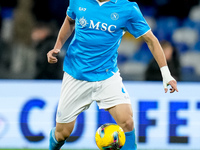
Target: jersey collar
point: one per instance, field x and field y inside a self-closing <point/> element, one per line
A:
<point x="101" y="3"/>
<point x="114" y="1"/>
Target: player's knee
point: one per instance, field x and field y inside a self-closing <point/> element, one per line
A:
<point x="62" y="135"/>
<point x="128" y="125"/>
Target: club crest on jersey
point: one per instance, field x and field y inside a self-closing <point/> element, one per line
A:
<point x="114" y="16"/>
<point x="83" y="22"/>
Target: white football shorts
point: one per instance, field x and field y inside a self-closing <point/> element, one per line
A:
<point x="77" y="96"/>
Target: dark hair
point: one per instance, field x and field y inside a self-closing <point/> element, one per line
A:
<point x="165" y="43"/>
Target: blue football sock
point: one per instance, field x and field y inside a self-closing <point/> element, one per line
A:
<point x="130" y="143"/>
<point x="53" y="143"/>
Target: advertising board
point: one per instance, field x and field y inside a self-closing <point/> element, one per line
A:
<point x="162" y="120"/>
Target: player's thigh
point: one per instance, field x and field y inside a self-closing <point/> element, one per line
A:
<point x="75" y="98"/>
<point x="112" y="93"/>
<point x="123" y="116"/>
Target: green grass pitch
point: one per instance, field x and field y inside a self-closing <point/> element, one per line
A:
<point x="78" y="149"/>
<point x="47" y="149"/>
<point x="84" y="149"/>
<point x="66" y="149"/>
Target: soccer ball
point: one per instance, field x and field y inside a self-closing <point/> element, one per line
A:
<point x="110" y="137"/>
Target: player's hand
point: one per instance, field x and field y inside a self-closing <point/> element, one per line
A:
<point x="51" y="56"/>
<point x="168" y="80"/>
<point x="173" y="85"/>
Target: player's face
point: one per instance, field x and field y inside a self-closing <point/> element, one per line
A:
<point x="168" y="52"/>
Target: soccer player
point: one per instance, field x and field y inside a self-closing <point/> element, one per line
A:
<point x="90" y="65"/>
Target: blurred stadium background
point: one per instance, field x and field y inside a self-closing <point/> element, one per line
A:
<point x="28" y="30"/>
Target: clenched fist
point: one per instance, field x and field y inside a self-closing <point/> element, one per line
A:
<point x="51" y="56"/>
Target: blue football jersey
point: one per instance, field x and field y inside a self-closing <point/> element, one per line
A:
<point x="99" y="27"/>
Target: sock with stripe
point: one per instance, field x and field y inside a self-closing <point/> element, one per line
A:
<point x="130" y="143"/>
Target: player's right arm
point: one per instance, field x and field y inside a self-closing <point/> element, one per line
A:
<point x="64" y="33"/>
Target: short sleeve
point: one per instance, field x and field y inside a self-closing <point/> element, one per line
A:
<point x="137" y="24"/>
<point x="71" y="11"/>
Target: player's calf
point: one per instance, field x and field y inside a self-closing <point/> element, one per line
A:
<point x="53" y="143"/>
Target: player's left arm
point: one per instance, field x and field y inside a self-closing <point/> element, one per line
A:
<point x="159" y="56"/>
